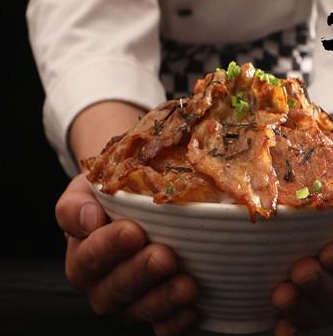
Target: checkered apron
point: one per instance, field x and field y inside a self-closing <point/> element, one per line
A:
<point x="287" y="53"/>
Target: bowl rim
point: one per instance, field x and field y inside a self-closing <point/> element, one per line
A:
<point x="201" y="209"/>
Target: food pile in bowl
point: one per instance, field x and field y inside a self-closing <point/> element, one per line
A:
<point x="244" y="137"/>
<point x="192" y="170"/>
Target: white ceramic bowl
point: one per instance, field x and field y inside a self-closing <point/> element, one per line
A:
<point x="236" y="263"/>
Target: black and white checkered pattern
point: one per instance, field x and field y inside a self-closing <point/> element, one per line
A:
<point x="284" y="53"/>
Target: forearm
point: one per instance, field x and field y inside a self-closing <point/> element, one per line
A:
<point x="94" y="127"/>
<point x="93" y="51"/>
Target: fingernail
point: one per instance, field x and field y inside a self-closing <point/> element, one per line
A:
<point x="288" y="306"/>
<point x="327" y="260"/>
<point x="310" y="282"/>
<point x="89" y="217"/>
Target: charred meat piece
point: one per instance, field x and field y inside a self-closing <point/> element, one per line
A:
<point x="309" y="154"/>
<point x="244" y="134"/>
<point x="235" y="169"/>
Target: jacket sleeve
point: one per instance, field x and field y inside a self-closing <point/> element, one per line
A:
<point x="320" y="89"/>
<point x="90" y="51"/>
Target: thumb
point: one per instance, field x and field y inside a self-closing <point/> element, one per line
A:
<point x="285" y="328"/>
<point x="77" y="211"/>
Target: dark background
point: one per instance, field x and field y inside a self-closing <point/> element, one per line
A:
<point x="35" y="296"/>
<point x="31" y="177"/>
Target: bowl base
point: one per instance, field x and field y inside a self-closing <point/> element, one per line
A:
<point x="216" y="326"/>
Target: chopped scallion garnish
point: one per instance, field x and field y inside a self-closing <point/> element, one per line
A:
<point x="292" y="103"/>
<point x="241" y="106"/>
<point x="233" y="71"/>
<point x="302" y="193"/>
<point x="273" y="80"/>
<point x="241" y="109"/>
<point x="219" y="69"/>
<point x="260" y="74"/>
<point x="265" y="77"/>
<point x="169" y="190"/>
<point x="234" y="101"/>
<point x="240" y="95"/>
<point x="317" y="186"/>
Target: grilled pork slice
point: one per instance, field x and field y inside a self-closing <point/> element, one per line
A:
<point x="244" y="133"/>
<point x="234" y="162"/>
<point x="303" y="155"/>
<point x="184" y="183"/>
<point x="161" y="128"/>
<point x="303" y="160"/>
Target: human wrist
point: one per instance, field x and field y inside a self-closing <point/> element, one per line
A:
<point x="94" y="126"/>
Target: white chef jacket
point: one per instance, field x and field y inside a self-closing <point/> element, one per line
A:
<point x="94" y="50"/>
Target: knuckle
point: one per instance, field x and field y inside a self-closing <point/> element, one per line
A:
<point x="129" y="241"/>
<point x="161" y="260"/>
<point x="97" y="305"/>
<point x="103" y="301"/>
<point x="326" y="256"/>
<point x="61" y="210"/>
<point x="304" y="269"/>
<point x="183" y="289"/>
<point x="130" y="228"/>
<point x="186" y="318"/>
<point x="66" y="213"/>
<point x="177" y="324"/>
<point x="121" y="292"/>
<point x="283" y="293"/>
<point x="168" y="328"/>
<point x="70" y="274"/>
<point x="140" y="312"/>
<point x="100" y="249"/>
<point x="88" y="256"/>
<point x="180" y="322"/>
<point x="306" y="262"/>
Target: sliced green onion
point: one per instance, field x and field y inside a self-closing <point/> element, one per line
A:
<point x="219" y="69"/>
<point x="234" y="101"/>
<point x="265" y="77"/>
<point x="240" y="95"/>
<point x="241" y="106"/>
<point x="292" y="103"/>
<point x="241" y="109"/>
<point x="273" y="80"/>
<point x="260" y="74"/>
<point x="302" y="193"/>
<point x="317" y="186"/>
<point x="233" y="70"/>
<point x="169" y="190"/>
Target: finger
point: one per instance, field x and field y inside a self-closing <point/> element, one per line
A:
<point x="285" y="328"/>
<point x="165" y="299"/>
<point x="176" y="324"/>
<point x="297" y="308"/>
<point x="326" y="257"/>
<point x="77" y="211"/>
<point x="89" y="260"/>
<point x="315" y="282"/>
<point x="132" y="278"/>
